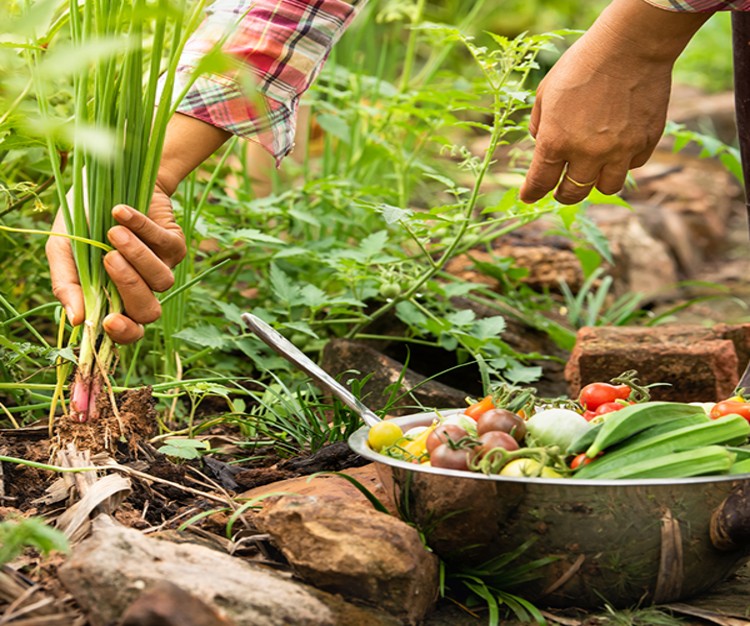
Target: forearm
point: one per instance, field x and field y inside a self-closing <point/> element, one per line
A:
<point x="642" y="32"/>
<point x="188" y="142"/>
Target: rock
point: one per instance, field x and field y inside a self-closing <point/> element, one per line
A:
<point x="642" y="264"/>
<point x="108" y="571"/>
<point x="341" y="355"/>
<point x="331" y="487"/>
<point x="166" y="604"/>
<point x="547" y="259"/>
<point x="698" y="364"/>
<point x="355" y="551"/>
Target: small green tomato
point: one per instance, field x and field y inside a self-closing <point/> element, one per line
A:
<point x="390" y="290"/>
<point x="384" y="434"/>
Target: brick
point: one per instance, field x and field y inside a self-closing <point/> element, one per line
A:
<point x="698" y="364"/>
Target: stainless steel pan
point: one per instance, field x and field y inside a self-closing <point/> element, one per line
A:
<point x="622" y="542"/>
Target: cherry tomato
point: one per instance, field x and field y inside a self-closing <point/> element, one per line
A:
<point x="594" y="395"/>
<point x="476" y="409"/>
<point x="383" y="434"/>
<point x="609" y="407"/>
<point x="491" y="440"/>
<point x="450" y="458"/>
<point x="443" y="433"/>
<point x="729" y="407"/>
<point x="580" y="460"/>
<point x="502" y="420"/>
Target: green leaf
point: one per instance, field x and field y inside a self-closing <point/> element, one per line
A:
<point x="461" y="318"/>
<point x="595" y="237"/>
<point x="67" y="60"/>
<point x="373" y="244"/>
<point x="589" y="259"/>
<point x="313" y="297"/>
<point x="283" y="287"/>
<point x="205" y="336"/>
<point x="393" y="214"/>
<point x="490" y="327"/>
<point x="253" y="235"/>
<point x="334" y="125"/>
<point x="411" y="315"/>
<point x="231" y="312"/>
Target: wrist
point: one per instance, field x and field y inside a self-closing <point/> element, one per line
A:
<point x="187" y="143"/>
<point x="638" y="31"/>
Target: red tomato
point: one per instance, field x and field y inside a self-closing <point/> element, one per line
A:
<point x="729" y="407"/>
<point x="608" y="407"/>
<point x="476" y="409"/>
<point x="589" y="415"/>
<point x="580" y="460"/>
<point x="594" y="395"/>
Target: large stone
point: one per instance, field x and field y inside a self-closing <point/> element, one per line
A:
<point x="166" y="604"/>
<point x="330" y="487"/>
<point x="108" y="571"/>
<point x="355" y="551"/>
<point x="697" y="364"/>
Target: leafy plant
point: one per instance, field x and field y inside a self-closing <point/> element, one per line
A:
<point x="491" y="582"/>
<point x="15" y="535"/>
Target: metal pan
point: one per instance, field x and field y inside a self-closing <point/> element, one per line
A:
<point x="623" y="542"/>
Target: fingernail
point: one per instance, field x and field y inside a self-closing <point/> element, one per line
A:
<point x="117" y="236"/>
<point x="113" y="324"/>
<point x="70" y="313"/>
<point x="121" y="213"/>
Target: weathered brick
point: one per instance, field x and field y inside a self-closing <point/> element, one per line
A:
<point x="697" y="364"/>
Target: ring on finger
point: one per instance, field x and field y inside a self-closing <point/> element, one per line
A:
<point x="578" y="183"/>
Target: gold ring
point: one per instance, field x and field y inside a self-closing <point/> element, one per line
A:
<point x="577" y="184"/>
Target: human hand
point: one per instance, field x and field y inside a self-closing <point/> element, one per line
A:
<point x="594" y="119"/>
<point x="602" y="108"/>
<point x="147" y="247"/>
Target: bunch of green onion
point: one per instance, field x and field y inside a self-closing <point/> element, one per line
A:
<point x="125" y="93"/>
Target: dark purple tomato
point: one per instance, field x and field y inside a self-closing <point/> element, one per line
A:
<point x="494" y="439"/>
<point x="504" y="421"/>
<point x="444" y="433"/>
<point x="449" y="458"/>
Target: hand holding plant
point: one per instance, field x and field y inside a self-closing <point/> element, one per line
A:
<point x="146" y="248"/>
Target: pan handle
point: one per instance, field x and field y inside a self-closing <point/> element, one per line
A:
<point x="730" y="522"/>
<point x="294" y="355"/>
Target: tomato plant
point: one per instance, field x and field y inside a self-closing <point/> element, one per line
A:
<point x="730" y="407"/>
<point x="593" y="395"/>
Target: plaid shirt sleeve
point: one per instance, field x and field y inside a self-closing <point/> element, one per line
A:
<point x="278" y="48"/>
<point x="699" y="6"/>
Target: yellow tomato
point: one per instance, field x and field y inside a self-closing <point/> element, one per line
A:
<point x="524" y="468"/>
<point x="383" y="434"/>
